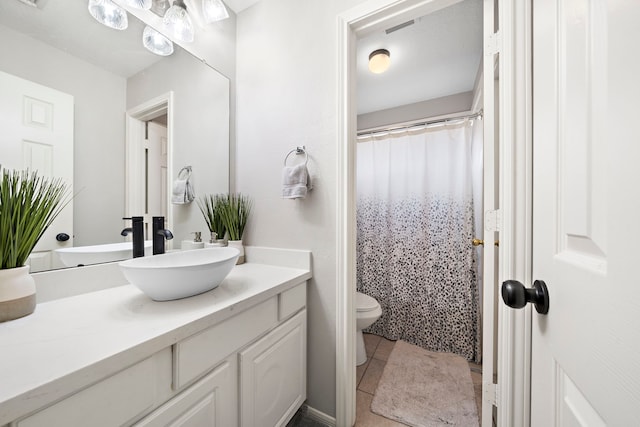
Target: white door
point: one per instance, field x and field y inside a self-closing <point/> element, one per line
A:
<point x="156" y="171"/>
<point x="36" y="125"/>
<point x="489" y="255"/>
<point x="586" y="221"/>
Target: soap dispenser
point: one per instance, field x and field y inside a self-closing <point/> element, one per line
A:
<point x="196" y="243"/>
<point x="214" y="242"/>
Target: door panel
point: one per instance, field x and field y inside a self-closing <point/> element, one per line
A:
<point x="37" y="134"/>
<point x="273" y="375"/>
<point x="490" y="182"/>
<point x="156" y="171"/>
<point x="585" y="221"/>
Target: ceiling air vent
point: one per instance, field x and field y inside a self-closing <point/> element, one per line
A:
<point x="399" y="27"/>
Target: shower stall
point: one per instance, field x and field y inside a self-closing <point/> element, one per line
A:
<point x="419" y="204"/>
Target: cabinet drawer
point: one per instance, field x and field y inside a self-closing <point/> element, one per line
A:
<point x="115" y="401"/>
<point x="292" y="300"/>
<point x="211" y="401"/>
<point x="199" y="353"/>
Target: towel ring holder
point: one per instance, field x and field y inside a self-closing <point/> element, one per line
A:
<point x="187" y="170"/>
<point x="298" y="150"/>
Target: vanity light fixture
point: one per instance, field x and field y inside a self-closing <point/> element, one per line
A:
<point x="214" y="10"/>
<point x="156" y="42"/>
<point x="178" y="21"/>
<point x="139" y="4"/>
<point x="108" y="13"/>
<point x="379" y="61"/>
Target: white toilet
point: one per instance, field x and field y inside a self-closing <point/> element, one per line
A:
<point x="368" y="310"/>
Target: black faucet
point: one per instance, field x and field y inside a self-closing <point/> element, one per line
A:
<point x="137" y="228"/>
<point x="159" y="235"/>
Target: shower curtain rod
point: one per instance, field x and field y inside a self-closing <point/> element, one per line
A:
<point x="410" y="125"/>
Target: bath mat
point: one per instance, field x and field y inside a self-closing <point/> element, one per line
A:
<point x="421" y="388"/>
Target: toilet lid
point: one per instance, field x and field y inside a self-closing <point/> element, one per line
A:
<point x="365" y="302"/>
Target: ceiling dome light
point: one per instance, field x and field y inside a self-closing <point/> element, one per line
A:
<point x="156" y="42"/>
<point x="139" y="4"/>
<point x="108" y="13"/>
<point x="214" y="10"/>
<point x="379" y="61"/>
<point x="178" y="21"/>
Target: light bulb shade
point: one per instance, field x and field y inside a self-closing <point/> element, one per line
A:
<point x="156" y="42"/>
<point x="178" y="22"/>
<point x="108" y="13"/>
<point x="379" y="61"/>
<point x="214" y="10"/>
<point x="139" y="4"/>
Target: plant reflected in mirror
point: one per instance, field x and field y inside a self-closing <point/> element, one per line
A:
<point x="28" y="205"/>
<point x="211" y="207"/>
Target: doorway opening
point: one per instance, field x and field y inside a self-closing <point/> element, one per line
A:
<point x="419" y="208"/>
<point x="148" y="158"/>
<point x="357" y="25"/>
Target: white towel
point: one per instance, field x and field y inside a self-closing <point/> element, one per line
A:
<point x="182" y="189"/>
<point x="295" y="182"/>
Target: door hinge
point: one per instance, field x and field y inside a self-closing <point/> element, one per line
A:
<point x="492" y="393"/>
<point x="493" y="44"/>
<point x="493" y="220"/>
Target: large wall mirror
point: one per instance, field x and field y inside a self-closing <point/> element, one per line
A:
<point x="135" y="119"/>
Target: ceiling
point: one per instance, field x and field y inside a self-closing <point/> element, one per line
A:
<point x="239" y="5"/>
<point x="438" y="55"/>
<point x="120" y="52"/>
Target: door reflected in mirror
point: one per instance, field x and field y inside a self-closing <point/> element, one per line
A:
<point x="110" y="77"/>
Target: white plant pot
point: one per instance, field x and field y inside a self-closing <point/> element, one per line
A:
<point x="238" y="245"/>
<point x="17" y="293"/>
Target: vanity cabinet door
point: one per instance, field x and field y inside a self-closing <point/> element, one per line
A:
<point x="273" y="382"/>
<point x="211" y="402"/>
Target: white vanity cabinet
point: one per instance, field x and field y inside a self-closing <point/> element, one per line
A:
<point x="234" y="356"/>
<point x="269" y="369"/>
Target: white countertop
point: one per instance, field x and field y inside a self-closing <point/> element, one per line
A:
<point x="73" y="342"/>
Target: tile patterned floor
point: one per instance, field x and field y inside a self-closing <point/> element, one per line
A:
<point x="368" y="375"/>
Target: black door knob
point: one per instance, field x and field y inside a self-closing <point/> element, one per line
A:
<point x="515" y="295"/>
<point x="62" y="237"/>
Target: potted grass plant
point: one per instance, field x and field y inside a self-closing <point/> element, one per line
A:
<point x="210" y="207"/>
<point x="28" y="205"/>
<point x="235" y="210"/>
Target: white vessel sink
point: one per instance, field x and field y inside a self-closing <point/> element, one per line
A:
<point x="85" y="255"/>
<point x="180" y="274"/>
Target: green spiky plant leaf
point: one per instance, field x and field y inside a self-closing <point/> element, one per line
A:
<point x="28" y="205"/>
<point x="235" y="210"/>
<point x="209" y="206"/>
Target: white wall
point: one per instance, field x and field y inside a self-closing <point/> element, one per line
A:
<point x="216" y="45"/>
<point x="286" y="96"/>
<point x="200" y="131"/>
<point x="458" y="103"/>
<point x="99" y="130"/>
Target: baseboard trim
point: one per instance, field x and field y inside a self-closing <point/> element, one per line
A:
<point x="320" y="416"/>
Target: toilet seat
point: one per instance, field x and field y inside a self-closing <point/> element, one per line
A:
<point x="365" y="303"/>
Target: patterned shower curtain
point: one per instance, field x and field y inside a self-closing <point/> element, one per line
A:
<point x="415" y="218"/>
